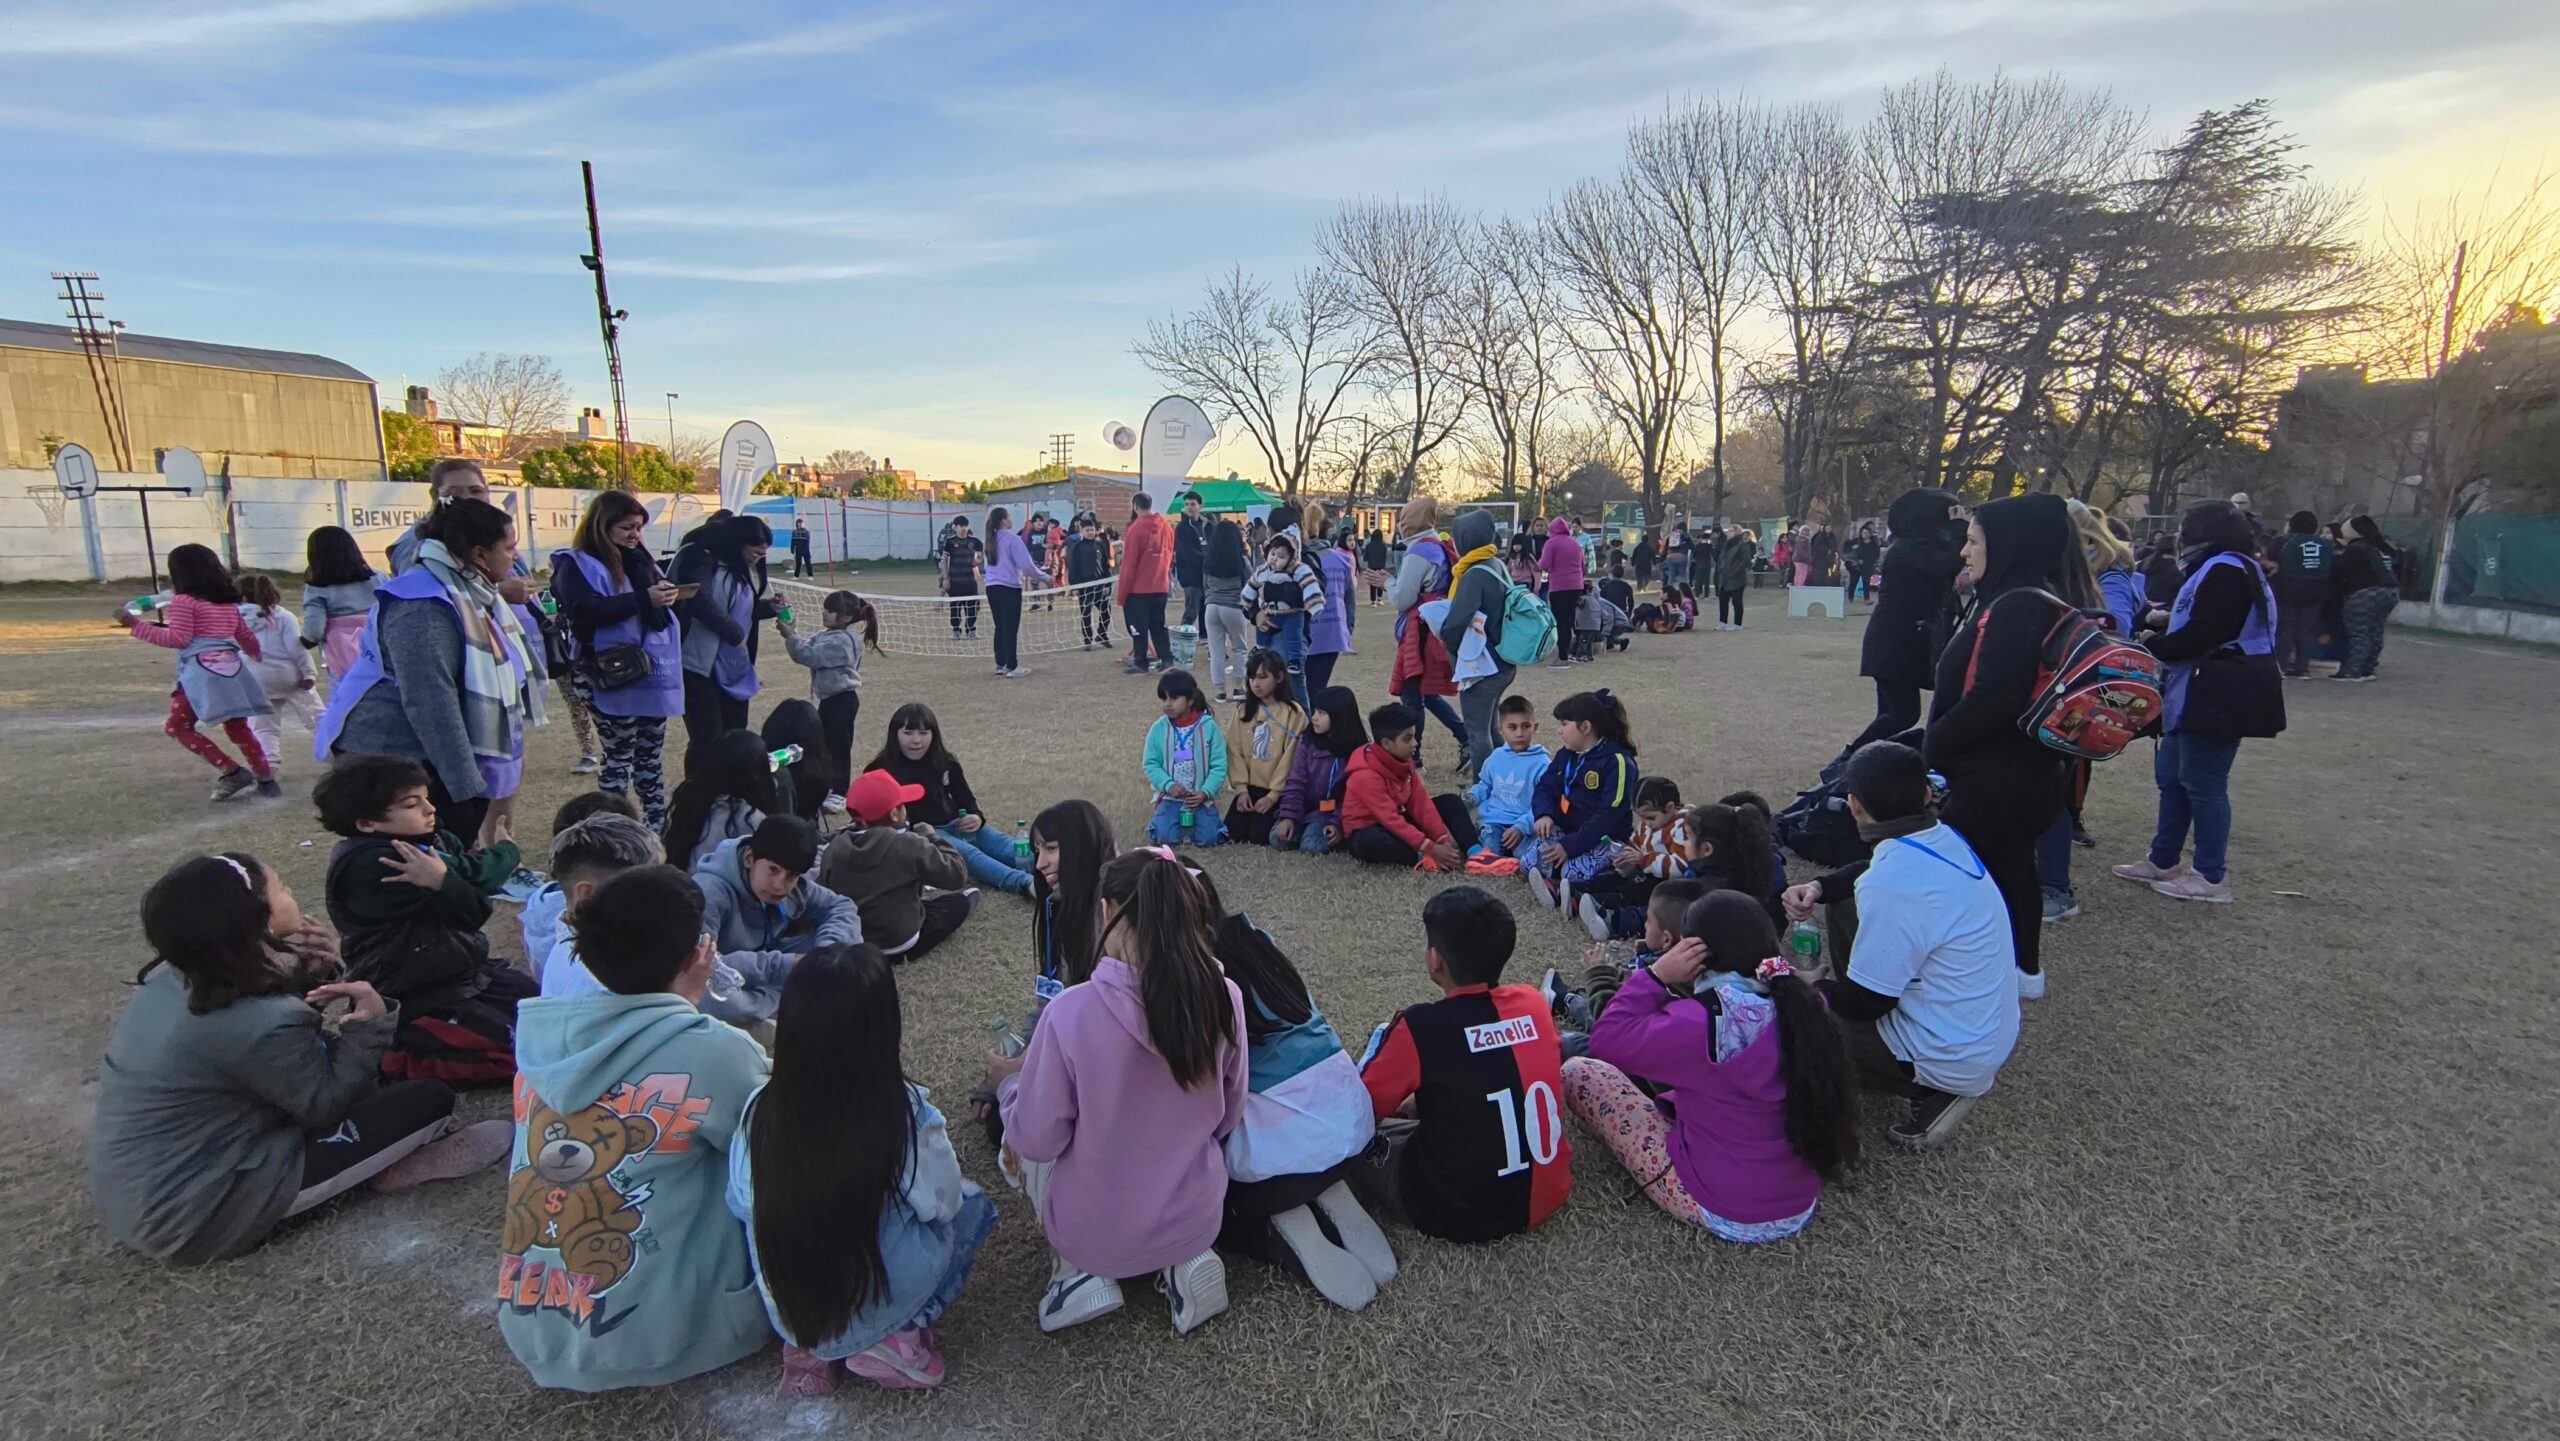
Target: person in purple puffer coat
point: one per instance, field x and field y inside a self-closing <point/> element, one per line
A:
<point x="1328" y="630"/>
<point x="1309" y="816"/>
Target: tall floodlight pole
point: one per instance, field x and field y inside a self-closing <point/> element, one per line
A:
<point x="610" y="320"/>
<point x="671" y="425"/>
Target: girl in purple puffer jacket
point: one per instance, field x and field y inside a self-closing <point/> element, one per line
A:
<point x="1309" y="817"/>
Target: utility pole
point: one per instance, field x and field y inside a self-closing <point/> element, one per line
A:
<point x="610" y="320"/>
<point x="671" y="425"/>
<point x="2435" y="429"/>
<point x="1062" y="448"/>
<point x="97" y="340"/>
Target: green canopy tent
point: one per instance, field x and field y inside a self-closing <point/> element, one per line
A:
<point x="1227" y="497"/>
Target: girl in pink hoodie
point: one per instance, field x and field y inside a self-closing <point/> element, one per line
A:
<point x="1563" y="561"/>
<point x="1116" y="1114"/>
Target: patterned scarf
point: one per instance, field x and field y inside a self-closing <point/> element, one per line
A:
<point x="497" y="704"/>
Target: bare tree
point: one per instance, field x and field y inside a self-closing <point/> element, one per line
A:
<point x="1816" y="238"/>
<point x="1701" y="169"/>
<point x="1400" y="264"/>
<point x="1509" y="346"/>
<point x="518" y="396"/>
<point x="1634" y="316"/>
<point x="1281" y="367"/>
<point x="841" y="461"/>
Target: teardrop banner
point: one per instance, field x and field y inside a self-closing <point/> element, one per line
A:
<point x="1175" y="433"/>
<point x="746" y="456"/>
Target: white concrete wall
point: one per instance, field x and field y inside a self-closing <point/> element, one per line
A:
<point x="2528" y="626"/>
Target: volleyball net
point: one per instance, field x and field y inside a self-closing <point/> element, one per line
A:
<point x="1066" y="618"/>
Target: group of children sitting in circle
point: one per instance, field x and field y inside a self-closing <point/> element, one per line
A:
<point x="714" y="1141"/>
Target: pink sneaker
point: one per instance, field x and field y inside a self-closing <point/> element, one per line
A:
<point x="2142" y="872"/>
<point x="2193" y="887"/>
<point x="904" y="1362"/>
<point x="806" y="1375"/>
<point x="458" y="1153"/>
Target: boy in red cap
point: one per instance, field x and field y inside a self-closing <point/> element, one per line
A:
<point x="907" y="880"/>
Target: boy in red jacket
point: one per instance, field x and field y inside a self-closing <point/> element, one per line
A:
<point x="1146" y="571"/>
<point x="1388" y="817"/>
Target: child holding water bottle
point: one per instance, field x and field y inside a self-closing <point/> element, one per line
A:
<point x="1186" y="763"/>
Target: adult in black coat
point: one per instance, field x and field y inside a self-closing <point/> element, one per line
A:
<point x="2004" y="787"/>
<point x="1908" y="625"/>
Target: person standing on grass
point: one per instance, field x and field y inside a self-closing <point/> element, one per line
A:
<point x="1009" y="572"/>
<point x="217" y="671"/>
<point x="1900" y="650"/>
<point x="618" y="609"/>
<point x="2306" y="566"/>
<point x="1423" y="676"/>
<point x="962" y="569"/>
<point x="1563" y="562"/>
<point x="834" y="659"/>
<point x="1734" y="557"/>
<point x="227" y="1102"/>
<point x="1329" y="628"/>
<point x="1088" y="561"/>
<point x="337" y="597"/>
<point x="1146" y="571"/>
<point x="1190" y="543"/>
<point x="726" y="568"/>
<point x="1860" y="555"/>
<point x="800" y="565"/>
<point x="1478" y="594"/>
<point x="2218" y="640"/>
<point x="1223" y="571"/>
<point x="1373" y="566"/>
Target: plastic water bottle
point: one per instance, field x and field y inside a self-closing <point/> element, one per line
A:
<point x="1022" y="839"/>
<point x="1007" y="1041"/>
<point x="785" y="757"/>
<point x="1804" y="945"/>
<point x="145" y="604"/>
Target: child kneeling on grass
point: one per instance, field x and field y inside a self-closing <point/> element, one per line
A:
<point x="1471" y="1143"/>
<point x="1757" y="1105"/>
<point x="1309" y="817"/>
<point x="860" y="1225"/>
<point x="619" y="1264"/>
<point x="885" y="865"/>
<point x="1186" y="764"/>
<point x="409" y="904"/>
<point x="1388" y="817"/>
<point x="227" y="1101"/>
<point x="1116" y="1114"/>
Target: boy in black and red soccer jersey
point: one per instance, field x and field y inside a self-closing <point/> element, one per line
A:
<point x="1471" y="1140"/>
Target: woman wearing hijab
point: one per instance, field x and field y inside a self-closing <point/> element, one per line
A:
<point x="1900" y="651"/>
<point x="2004" y="787"/>
<point x="2222" y="685"/>
<point x="726" y="559"/>
<point x="2368" y="591"/>
<point x="1423" y="677"/>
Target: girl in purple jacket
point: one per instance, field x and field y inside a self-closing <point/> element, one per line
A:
<point x="1757" y="1109"/>
<point x="1309" y="817"/>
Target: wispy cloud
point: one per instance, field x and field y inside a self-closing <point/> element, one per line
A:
<point x="93" y="30"/>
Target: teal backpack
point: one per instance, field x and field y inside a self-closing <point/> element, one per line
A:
<point x="1528" y="628"/>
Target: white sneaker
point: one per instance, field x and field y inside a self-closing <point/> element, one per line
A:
<point x="1359" y="1232"/>
<point x="1541" y="887"/>
<point x="1336" y="1274"/>
<point x="1593" y="920"/>
<point x="833" y="805"/>
<point x="1076" y="1297"/>
<point x="587" y="766"/>
<point x="1196" y="1290"/>
<point x="2031" y="988"/>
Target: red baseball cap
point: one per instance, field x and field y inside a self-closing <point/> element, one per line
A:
<point x="874" y="794"/>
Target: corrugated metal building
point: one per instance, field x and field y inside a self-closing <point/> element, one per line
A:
<point x="269" y="412"/>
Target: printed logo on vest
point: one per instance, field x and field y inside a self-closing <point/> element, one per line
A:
<point x="1519" y="1030"/>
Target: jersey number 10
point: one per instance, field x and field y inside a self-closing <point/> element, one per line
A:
<point x="1544" y="1129"/>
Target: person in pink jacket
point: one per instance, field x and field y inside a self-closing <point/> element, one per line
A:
<point x="1116" y="1115"/>
<point x="1564" y="562"/>
<point x="1758" y="1106"/>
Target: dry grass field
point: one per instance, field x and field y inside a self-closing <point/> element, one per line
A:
<point x="2283" y="1168"/>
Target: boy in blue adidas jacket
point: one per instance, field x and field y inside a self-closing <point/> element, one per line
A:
<point x="1506" y="788"/>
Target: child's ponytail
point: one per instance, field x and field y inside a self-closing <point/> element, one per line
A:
<point x="1744" y="853"/>
<point x="1603" y="712"/>
<point x="1163" y="926"/>
<point x="857" y="611"/>
<point x="1822" y="1102"/>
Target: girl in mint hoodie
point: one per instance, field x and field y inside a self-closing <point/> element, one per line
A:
<point x="1116" y="1115"/>
<point x="620" y="1265"/>
<point x="862" y="1228"/>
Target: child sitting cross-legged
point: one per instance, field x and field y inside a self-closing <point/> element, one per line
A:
<point x="227" y="1102"/>
<point x="764" y="913"/>
<point x="1471" y="1143"/>
<point x="1611" y="903"/>
<point x="1586" y="799"/>
<point x="907" y="879"/>
<point x="618" y="1264"/>
<point x="541" y="912"/>
<point x="1186" y="764"/>
<point x="409" y="904"/>
<point x="583" y="857"/>
<point x="1506" y="788"/>
<point x="1115" y="1116"/>
<point x="916" y="755"/>
<point x="1309" y="817"/>
<point x="1758" y="1106"/>
<point x="1388" y="817"/>
<point x="860" y="1224"/>
<point x="1262" y="744"/>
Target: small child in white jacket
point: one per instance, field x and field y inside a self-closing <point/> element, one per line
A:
<point x="283" y="667"/>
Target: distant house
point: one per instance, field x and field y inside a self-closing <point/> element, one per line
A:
<point x="1104" y="492"/>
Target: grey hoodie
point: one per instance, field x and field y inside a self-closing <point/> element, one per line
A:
<point x="759" y="943"/>
<point x="1481" y="591"/>
<point x="620" y="1264"/>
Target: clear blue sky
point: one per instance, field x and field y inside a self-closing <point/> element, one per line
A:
<point x="931" y="231"/>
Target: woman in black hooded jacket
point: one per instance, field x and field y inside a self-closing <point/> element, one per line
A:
<point x="2004" y="787"/>
<point x="1904" y="632"/>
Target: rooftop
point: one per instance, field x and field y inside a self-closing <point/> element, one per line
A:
<point x="28" y="335"/>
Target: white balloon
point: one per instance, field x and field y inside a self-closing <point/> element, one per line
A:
<point x="1120" y="436"/>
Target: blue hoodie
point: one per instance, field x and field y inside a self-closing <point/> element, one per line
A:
<point x="1506" y="788"/>
<point x="620" y="1263"/>
<point x="758" y="943"/>
<point x="541" y="921"/>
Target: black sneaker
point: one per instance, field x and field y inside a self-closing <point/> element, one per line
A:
<point x="1935" y="1118"/>
<point x="2080" y="837"/>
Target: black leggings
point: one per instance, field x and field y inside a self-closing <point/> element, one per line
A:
<point x="1729" y="607"/>
<point x="1006" y="602"/>
<point x="1381" y="847"/>
<point x="837" y="713"/>
<point x="2002" y="823"/>
<point x="1897" y="710"/>
<point x="375" y="1132"/>
<point x="1567" y="604"/>
<point x="709" y="711"/>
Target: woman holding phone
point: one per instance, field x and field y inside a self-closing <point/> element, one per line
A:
<point x="626" y="651"/>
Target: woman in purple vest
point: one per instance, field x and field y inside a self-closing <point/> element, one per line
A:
<point x="2222" y="685"/>
<point x="725" y="559"/>
<point x="626" y="653"/>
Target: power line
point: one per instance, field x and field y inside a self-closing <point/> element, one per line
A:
<point x="1062" y="448"/>
<point x="97" y="343"/>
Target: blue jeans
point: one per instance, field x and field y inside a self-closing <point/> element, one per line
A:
<point x="2194" y="774"/>
<point x="1489" y="835"/>
<point x="2053" y="854"/>
<point x="1291" y="641"/>
<point x="1313" y="839"/>
<point x="1207" y="826"/>
<point x="992" y="859"/>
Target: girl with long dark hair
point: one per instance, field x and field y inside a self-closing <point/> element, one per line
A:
<point x="625" y="646"/>
<point x="1309" y="816"/>
<point x="1116" y="1113"/>
<point x="1757" y="1106"/>
<point x="2368" y="588"/>
<point x="1587" y="797"/>
<point x="337" y="595"/>
<point x="725" y="799"/>
<point x="1010" y="571"/>
<point x="1262" y="745"/>
<point x="914" y="752"/>
<point x="216" y="678"/>
<point x="725" y="561"/>
<point x="862" y="1227"/>
<point x="803" y="785"/>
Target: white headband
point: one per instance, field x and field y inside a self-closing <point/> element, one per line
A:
<point x="239" y="870"/>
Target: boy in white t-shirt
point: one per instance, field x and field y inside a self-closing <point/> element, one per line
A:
<point x="1929" y="1007"/>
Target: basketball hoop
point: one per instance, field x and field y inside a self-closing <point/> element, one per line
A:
<point x="53" y="502"/>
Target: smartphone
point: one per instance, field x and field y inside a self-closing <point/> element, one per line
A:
<point x="687" y="592"/>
